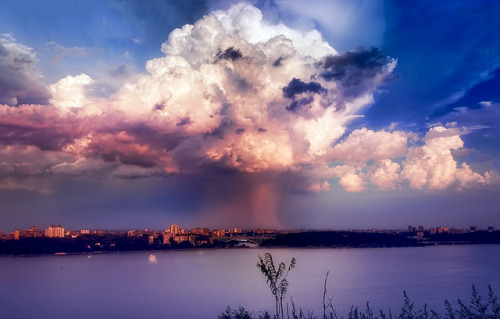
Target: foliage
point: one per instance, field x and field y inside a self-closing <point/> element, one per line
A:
<point x="241" y="313"/>
<point x="276" y="278"/>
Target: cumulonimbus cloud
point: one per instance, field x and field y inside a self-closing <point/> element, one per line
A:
<point x="235" y="93"/>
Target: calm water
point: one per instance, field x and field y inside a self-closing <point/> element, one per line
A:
<point x="200" y="284"/>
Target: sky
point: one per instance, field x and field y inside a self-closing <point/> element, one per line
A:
<point x="285" y="114"/>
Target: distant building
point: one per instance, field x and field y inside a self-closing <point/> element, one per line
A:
<point x="167" y="236"/>
<point x="473" y="228"/>
<point x="491" y="229"/>
<point x="30" y="233"/>
<point x="183" y="238"/>
<point x="432" y="231"/>
<point x="420" y="228"/>
<point x="219" y="233"/>
<point x="232" y="231"/>
<point x="267" y="231"/>
<point x="16" y="234"/>
<point x="85" y="232"/>
<point x="174" y="229"/>
<point x="441" y="229"/>
<point x="73" y="234"/>
<point x="151" y="240"/>
<point x="201" y="231"/>
<point x="54" y="231"/>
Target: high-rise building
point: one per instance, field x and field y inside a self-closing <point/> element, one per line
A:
<point x="16" y="234"/>
<point x="54" y="231"/>
<point x="174" y="229"/>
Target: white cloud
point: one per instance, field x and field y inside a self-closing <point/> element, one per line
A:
<point x="433" y="166"/>
<point x="386" y="175"/>
<point x="71" y="91"/>
<point x="351" y="182"/>
<point x="364" y="144"/>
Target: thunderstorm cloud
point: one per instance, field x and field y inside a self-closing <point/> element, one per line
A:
<point x="232" y="95"/>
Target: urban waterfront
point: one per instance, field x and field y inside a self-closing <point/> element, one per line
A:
<point x="202" y="283"/>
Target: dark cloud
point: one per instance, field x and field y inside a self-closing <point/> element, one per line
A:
<point x="137" y="160"/>
<point x="296" y="86"/>
<point x="19" y="77"/>
<point x="229" y="54"/>
<point x="355" y="70"/>
<point x="298" y="104"/>
<point x="237" y="80"/>
<point x="278" y="62"/>
<point x="159" y="106"/>
<point x="183" y="121"/>
<point x="220" y="131"/>
<point x="39" y="126"/>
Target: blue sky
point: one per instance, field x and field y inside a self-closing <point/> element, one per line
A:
<point x="403" y="131"/>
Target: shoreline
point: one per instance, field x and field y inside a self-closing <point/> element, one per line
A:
<point x="61" y="254"/>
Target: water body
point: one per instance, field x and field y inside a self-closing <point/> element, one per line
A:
<point x="202" y="283"/>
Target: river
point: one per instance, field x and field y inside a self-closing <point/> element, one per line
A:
<point x="202" y="283"/>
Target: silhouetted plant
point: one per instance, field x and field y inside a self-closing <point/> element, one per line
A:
<point x="241" y="313"/>
<point x="493" y="301"/>
<point x="450" y="313"/>
<point x="333" y="313"/>
<point x="408" y="311"/>
<point x="276" y="278"/>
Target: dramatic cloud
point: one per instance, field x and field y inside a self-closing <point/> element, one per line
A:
<point x="20" y="79"/>
<point x="433" y="166"/>
<point x="233" y="96"/>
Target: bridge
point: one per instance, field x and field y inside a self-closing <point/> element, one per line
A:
<point x="242" y="243"/>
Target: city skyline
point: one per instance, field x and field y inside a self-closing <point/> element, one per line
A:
<point x="256" y="114"/>
<point x="58" y="229"/>
<point x="178" y="234"/>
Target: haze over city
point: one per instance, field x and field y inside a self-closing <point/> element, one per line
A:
<point x="275" y="114"/>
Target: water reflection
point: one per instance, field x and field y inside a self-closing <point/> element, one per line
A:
<point x="152" y="259"/>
